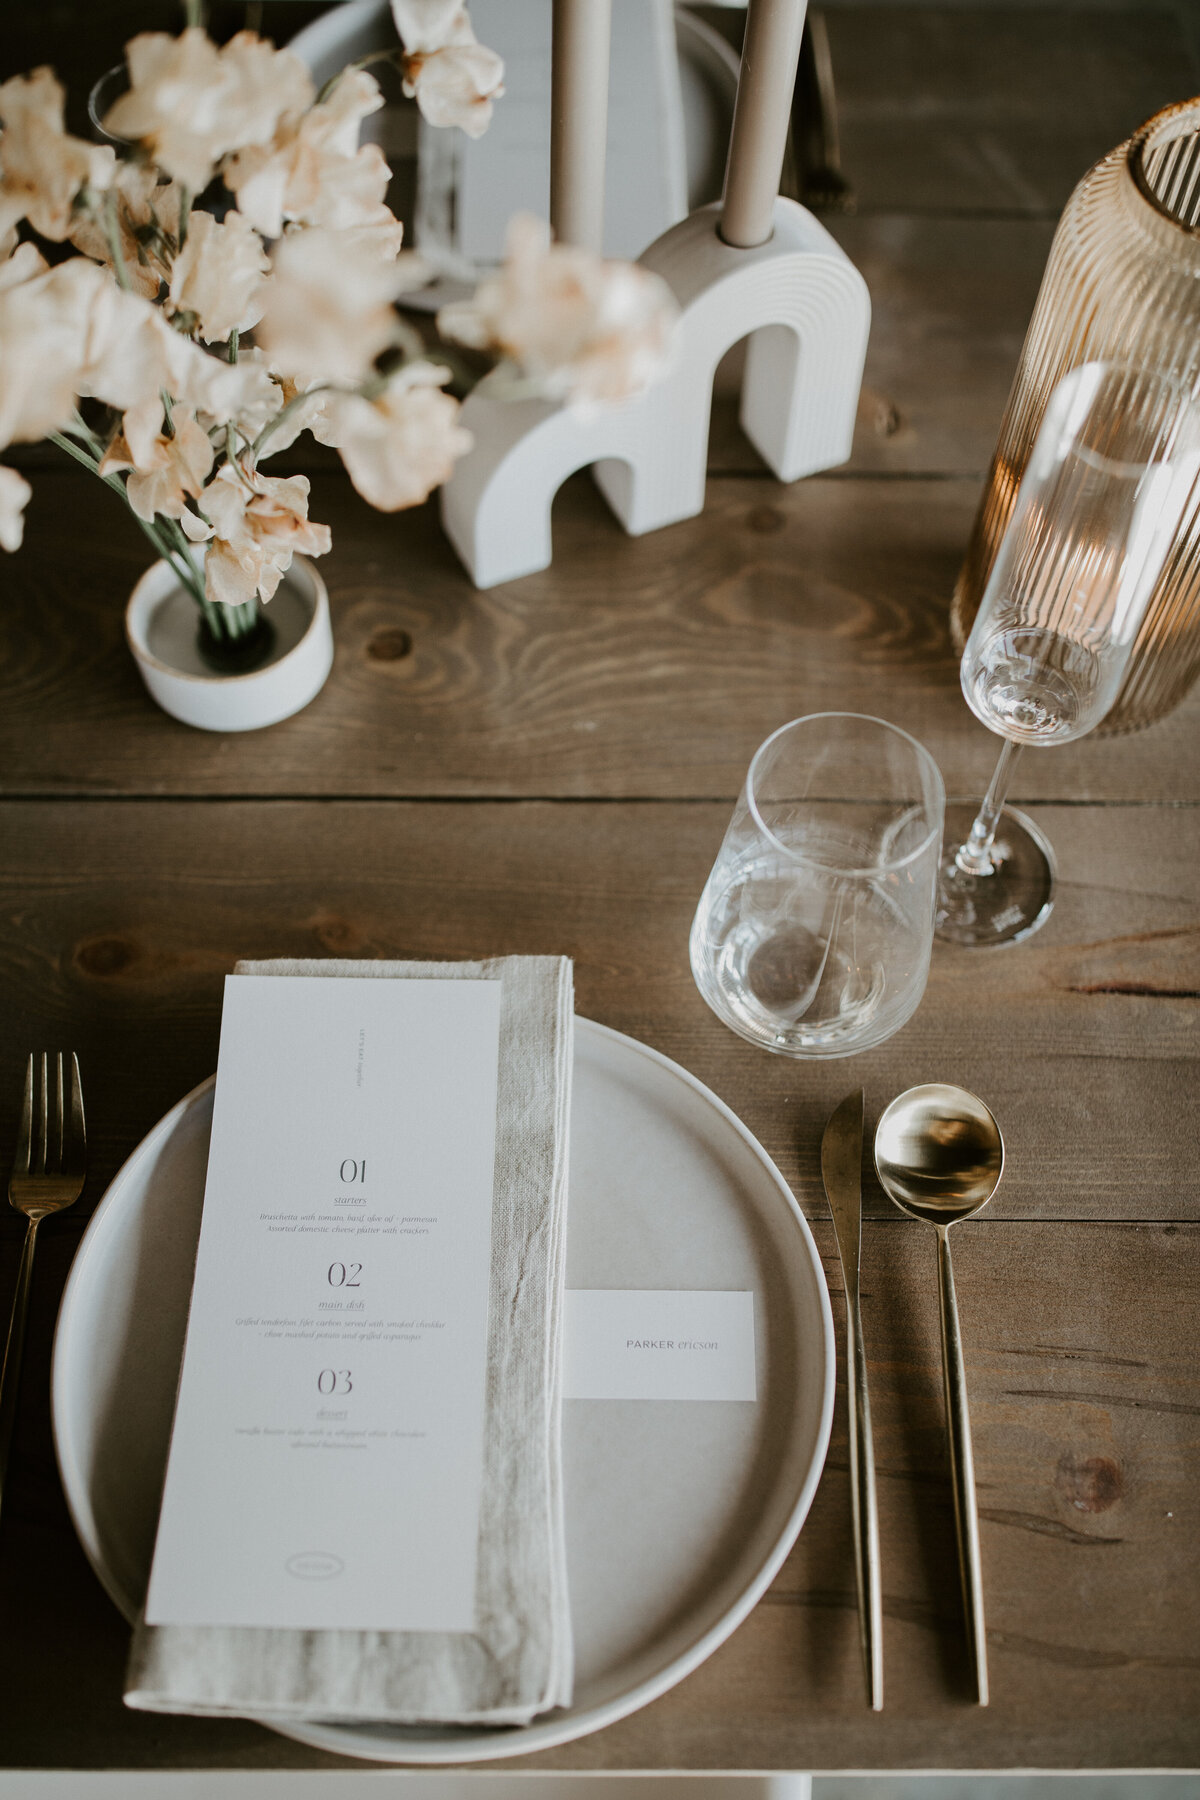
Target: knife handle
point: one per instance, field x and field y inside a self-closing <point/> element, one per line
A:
<point x="864" y="1511"/>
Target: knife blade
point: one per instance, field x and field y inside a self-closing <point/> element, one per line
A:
<point x="841" y="1172"/>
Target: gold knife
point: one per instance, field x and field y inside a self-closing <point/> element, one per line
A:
<point x="841" y="1171"/>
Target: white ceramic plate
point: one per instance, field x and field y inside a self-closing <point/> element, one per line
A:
<point x="679" y="1514"/>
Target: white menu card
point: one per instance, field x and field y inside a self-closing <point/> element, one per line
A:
<point x="326" y="1458"/>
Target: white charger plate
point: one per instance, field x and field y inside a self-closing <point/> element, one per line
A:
<point x="678" y="1514"/>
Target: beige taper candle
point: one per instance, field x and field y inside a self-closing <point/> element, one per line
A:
<point x="770" y="53"/>
<point x="579" y="120"/>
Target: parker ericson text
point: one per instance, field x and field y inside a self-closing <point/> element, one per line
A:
<point x="671" y="1344"/>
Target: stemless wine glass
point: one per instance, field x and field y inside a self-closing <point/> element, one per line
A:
<point x="813" y="933"/>
<point x="1114" y="463"/>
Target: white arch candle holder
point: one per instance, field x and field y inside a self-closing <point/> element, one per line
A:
<point x="797" y="297"/>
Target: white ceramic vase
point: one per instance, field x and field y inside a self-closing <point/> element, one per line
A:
<point x="161" y="624"/>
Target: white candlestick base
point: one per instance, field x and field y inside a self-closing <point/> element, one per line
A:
<point x="807" y="312"/>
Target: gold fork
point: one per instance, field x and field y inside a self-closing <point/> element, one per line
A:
<point x="47" y="1176"/>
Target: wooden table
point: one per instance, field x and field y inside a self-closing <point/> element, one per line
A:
<point x="549" y="767"/>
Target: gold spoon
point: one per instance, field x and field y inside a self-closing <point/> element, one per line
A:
<point x="939" y="1155"/>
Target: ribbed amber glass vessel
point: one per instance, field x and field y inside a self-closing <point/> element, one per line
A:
<point x="1122" y="284"/>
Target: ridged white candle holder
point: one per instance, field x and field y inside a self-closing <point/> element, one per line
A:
<point x="807" y="313"/>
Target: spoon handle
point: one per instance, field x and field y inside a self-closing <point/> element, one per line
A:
<point x="962" y="1467"/>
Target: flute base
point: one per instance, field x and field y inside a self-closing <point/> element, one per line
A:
<point x="1011" y="902"/>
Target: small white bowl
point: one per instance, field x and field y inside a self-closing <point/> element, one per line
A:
<point x="161" y="625"/>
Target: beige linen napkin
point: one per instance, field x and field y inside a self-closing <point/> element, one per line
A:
<point x="518" y="1661"/>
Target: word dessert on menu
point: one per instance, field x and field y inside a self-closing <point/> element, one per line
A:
<point x="326" y="1457"/>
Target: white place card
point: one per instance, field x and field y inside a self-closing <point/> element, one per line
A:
<point x="658" y="1344"/>
<point x="326" y="1458"/>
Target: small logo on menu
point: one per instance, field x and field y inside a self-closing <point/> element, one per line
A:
<point x="314" y="1565"/>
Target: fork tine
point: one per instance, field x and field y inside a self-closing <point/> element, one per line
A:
<point x="58" y="1129"/>
<point x="24" y="1154"/>
<point x="75" y="1130"/>
<point x="42" y="1117"/>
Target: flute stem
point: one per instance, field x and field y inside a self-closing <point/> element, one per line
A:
<point x="974" y="857"/>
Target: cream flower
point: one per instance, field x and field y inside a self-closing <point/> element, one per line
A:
<point x="147" y="217"/>
<point x="189" y="104"/>
<point x="580" y="328"/>
<point x="382" y="241"/>
<point x="327" y="312"/>
<point x="22" y="264"/>
<point x="244" y="391"/>
<point x="259" y="522"/>
<point x="454" y="78"/>
<point x="400" y="446"/>
<point x="42" y="169"/>
<point x="221" y="391"/>
<point x="218" y="275"/>
<point x="350" y="193"/>
<point x="71" y="330"/>
<point x="44" y="325"/>
<point x="164" y="470"/>
<point x="424" y="24"/>
<point x="130" y="352"/>
<point x="307" y="406"/>
<point x="14" y="497"/>
<point x="313" y="172"/>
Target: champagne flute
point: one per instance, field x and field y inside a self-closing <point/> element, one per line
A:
<point x="1095" y="520"/>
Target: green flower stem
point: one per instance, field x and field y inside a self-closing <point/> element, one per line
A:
<point x="237" y="621"/>
<point x="89" y="462"/>
<point x="78" y="427"/>
<point x="112" y="232"/>
<point x="224" y="621"/>
<point x="170" y="543"/>
<point x="186" y="570"/>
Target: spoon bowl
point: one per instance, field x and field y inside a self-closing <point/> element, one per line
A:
<point x="938" y="1153"/>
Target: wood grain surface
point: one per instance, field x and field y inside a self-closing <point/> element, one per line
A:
<point x="633" y="667"/>
<point x="997" y="111"/>
<point x="119" y="920"/>
<point x="550" y="767"/>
